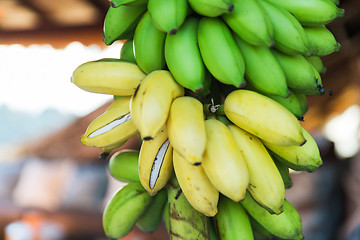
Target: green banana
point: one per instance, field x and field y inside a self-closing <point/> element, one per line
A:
<point x="232" y="222"/>
<point x="168" y="15"/>
<point x="118" y="3"/>
<point x="302" y="99"/>
<point x="151" y="219"/>
<point x="317" y="63"/>
<point x="212" y="231"/>
<point x="166" y="217"/>
<point x="311" y="12"/>
<point x="212" y="8"/>
<point x="286" y="225"/>
<point x="109" y="76"/>
<point x="250" y="21"/>
<point x="150" y="104"/>
<point x="183" y="57"/>
<point x="259" y="232"/>
<point x="225" y="62"/>
<point x="262" y="70"/>
<point x="123" y="165"/>
<point x="289" y="36"/>
<point x="120" y="22"/>
<point x="301" y="76"/>
<point x="149" y="45"/>
<point x="127" y="51"/>
<point x="184" y="221"/>
<point x="284" y="172"/>
<point x="321" y="40"/>
<point x="246" y="109"/>
<point x="124" y="209"/>
<point x="301" y="158"/>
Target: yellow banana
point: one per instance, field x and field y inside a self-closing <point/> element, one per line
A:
<point x="263" y="117"/>
<point x="155" y="162"/>
<point x="265" y="182"/>
<point x="198" y="190"/>
<point x="223" y="162"/>
<point x="108" y="77"/>
<point x="150" y="104"/>
<point x="186" y="128"/>
<point x="112" y="128"/>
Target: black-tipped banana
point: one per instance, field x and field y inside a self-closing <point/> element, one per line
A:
<point x="155" y="162"/>
<point x="124" y="209"/>
<point x="321" y="40"/>
<point x="212" y="8"/>
<point x="123" y="165"/>
<point x="108" y="77"/>
<point x="127" y="51"/>
<point x="111" y="129"/>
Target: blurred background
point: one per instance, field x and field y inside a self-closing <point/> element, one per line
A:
<point x="55" y="188"/>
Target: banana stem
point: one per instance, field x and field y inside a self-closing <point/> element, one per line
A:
<point x="211" y="109"/>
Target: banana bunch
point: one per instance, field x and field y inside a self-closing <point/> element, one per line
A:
<point x="215" y="91"/>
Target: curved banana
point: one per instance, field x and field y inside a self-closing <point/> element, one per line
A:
<point x="321" y="40"/>
<point x="149" y="45"/>
<point x="127" y="51"/>
<point x="284" y="172"/>
<point x="168" y="15"/>
<point x="120" y="22"/>
<point x="232" y="221"/>
<point x="301" y="158"/>
<point x="259" y="231"/>
<point x="186" y="128"/>
<point x="265" y="182"/>
<point x="225" y="61"/>
<point x="302" y="99"/>
<point x="311" y="12"/>
<point x="250" y="21"/>
<point x="262" y="70"/>
<point x="263" y="117"/>
<point x="123" y="165"/>
<point x="118" y="3"/>
<point x="150" y="104"/>
<point x="317" y="63"/>
<point x="155" y="163"/>
<point x="183" y="57"/>
<point x="212" y="8"/>
<point x="196" y="186"/>
<point x="223" y="162"/>
<point x="108" y="77"/>
<point x="289" y="36"/>
<point x="286" y="225"/>
<point x="123" y="210"/>
<point x="112" y="128"/>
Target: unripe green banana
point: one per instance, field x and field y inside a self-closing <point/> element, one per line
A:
<point x="311" y="12"/>
<point x="317" y="63"/>
<point x="250" y="21"/>
<point x="168" y="15"/>
<point x="186" y="128"/>
<point x="123" y="210"/>
<point x="232" y="222"/>
<point x="155" y="162"/>
<point x="284" y="172"/>
<point x="151" y="219"/>
<point x="183" y="57"/>
<point x="286" y="225"/>
<point x="212" y="8"/>
<point x="262" y="70"/>
<point x="301" y="76"/>
<point x="150" y="104"/>
<point x="118" y="3"/>
<point x="302" y="99"/>
<point x="300" y="158"/>
<point x="127" y="51"/>
<point x="289" y="35"/>
<point x="112" y="128"/>
<point x="194" y="183"/>
<point x="149" y="45"/>
<point x="321" y="40"/>
<point x="166" y="217"/>
<point x="259" y="232"/>
<point x="184" y="221"/>
<point x="212" y="231"/>
<point x="246" y="109"/>
<point x="225" y="61"/>
<point x="123" y="165"/>
<point x="108" y="77"/>
<point x="120" y="22"/>
<point x="223" y="162"/>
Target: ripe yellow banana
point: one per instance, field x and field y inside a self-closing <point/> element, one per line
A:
<point x="112" y="128"/>
<point x="123" y="165"/>
<point x="223" y="162"/>
<point x="108" y="77"/>
<point x="265" y="183"/>
<point x="263" y="117"/>
<point x="155" y="162"/>
<point x="150" y="104"/>
<point x="194" y="183"/>
<point x="186" y="128"/>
